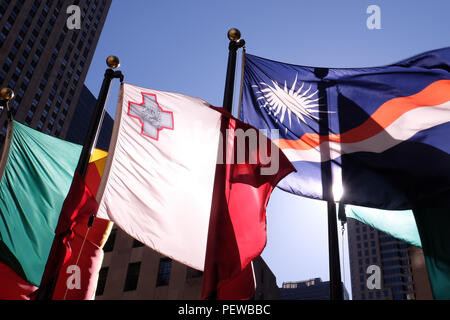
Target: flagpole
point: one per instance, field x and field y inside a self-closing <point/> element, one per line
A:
<point x="234" y="35"/>
<point x="336" y="292"/>
<point x="95" y="124"/>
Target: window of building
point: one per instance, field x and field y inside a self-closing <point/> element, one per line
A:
<point x="2" y="75"/>
<point x="132" y="276"/>
<point x="399" y="296"/>
<point x="58" y="130"/>
<point x="2" y="37"/>
<point x="165" y="266"/>
<point x="28" y="119"/>
<point x="8" y="26"/>
<point x="137" y="244"/>
<point x="12" y="83"/>
<point x="102" y="275"/>
<point x="192" y="273"/>
<point x="394" y="280"/>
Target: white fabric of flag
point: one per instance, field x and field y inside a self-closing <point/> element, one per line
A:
<point x="159" y="178"/>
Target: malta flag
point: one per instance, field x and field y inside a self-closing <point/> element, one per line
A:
<point x="167" y="174"/>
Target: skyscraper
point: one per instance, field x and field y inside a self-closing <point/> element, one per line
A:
<point x="79" y="126"/>
<point x="402" y="272"/>
<point x="45" y="62"/>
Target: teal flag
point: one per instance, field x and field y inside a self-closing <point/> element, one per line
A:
<point x="36" y="173"/>
<point x="426" y="228"/>
<point x="399" y="224"/>
<point x="434" y="229"/>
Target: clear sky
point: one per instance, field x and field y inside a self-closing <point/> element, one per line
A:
<point x="181" y="46"/>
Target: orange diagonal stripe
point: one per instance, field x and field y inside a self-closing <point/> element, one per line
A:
<point x="435" y="94"/>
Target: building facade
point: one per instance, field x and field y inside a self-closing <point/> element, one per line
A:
<point x="312" y="289"/>
<point x="44" y="62"/>
<point x="79" y="126"/>
<point x="132" y="271"/>
<point x="402" y="267"/>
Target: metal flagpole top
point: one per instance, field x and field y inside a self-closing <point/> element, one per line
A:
<point x="113" y="62"/>
<point x="234" y="35"/>
<point x="6" y="94"/>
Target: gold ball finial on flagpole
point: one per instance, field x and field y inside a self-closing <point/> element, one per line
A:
<point x="6" y="94"/>
<point x="234" y="34"/>
<point x="113" y="62"/>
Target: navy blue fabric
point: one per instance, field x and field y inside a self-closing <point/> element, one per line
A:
<point x="401" y="177"/>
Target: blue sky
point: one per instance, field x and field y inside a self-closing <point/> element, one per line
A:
<point x="181" y="46"/>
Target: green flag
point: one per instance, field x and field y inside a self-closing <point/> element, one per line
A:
<point x="426" y="228"/>
<point x="398" y="224"/>
<point x="433" y="224"/>
<point x="36" y="173"/>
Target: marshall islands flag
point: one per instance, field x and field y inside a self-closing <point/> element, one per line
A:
<point x="387" y="129"/>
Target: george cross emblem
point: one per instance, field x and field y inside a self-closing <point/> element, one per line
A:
<point x="151" y="116"/>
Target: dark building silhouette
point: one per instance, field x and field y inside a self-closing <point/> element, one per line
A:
<point x="266" y="282"/>
<point x="81" y="120"/>
<point x="312" y="289"/>
<point x="44" y="62"/>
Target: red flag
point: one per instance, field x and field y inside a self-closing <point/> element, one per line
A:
<point x="13" y="287"/>
<point x="86" y="245"/>
<point x="79" y="205"/>
<point x="87" y="255"/>
<point x="237" y="229"/>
